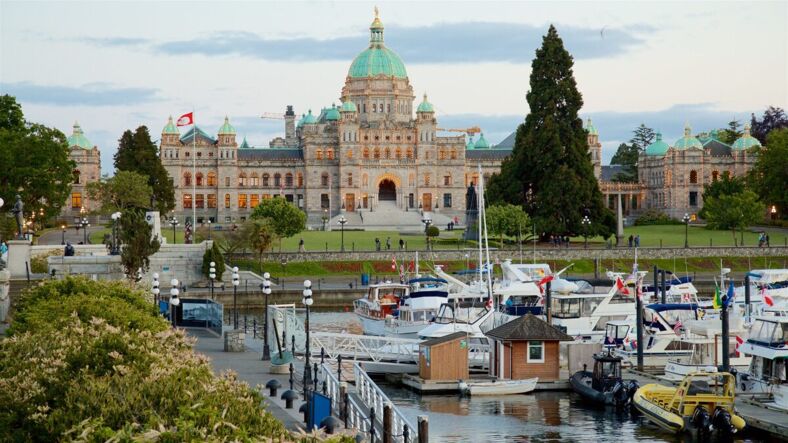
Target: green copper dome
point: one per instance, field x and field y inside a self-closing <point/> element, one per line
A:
<point x="688" y="141"/>
<point x="309" y="119"/>
<point x="746" y="141"/>
<point x="377" y="59"/>
<point x="425" y="106"/>
<point x="170" y="128"/>
<point x="77" y="138"/>
<point x="658" y="148"/>
<point x="348" y="106"/>
<point x="301" y="121"/>
<point x="470" y="144"/>
<point x="591" y="128"/>
<point x="226" y="128"/>
<point x="332" y="114"/>
<point x="481" y="143"/>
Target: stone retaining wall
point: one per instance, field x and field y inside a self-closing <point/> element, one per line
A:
<point x="543" y="254"/>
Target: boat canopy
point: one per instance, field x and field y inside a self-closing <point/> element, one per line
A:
<point x="471" y="272"/>
<point x="427" y="280"/>
<point x="659" y="307"/>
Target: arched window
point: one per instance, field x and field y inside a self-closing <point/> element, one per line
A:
<point x="366" y="153"/>
<point x="409" y="154"/>
<point x="350" y="179"/>
<point x="377" y="153"/>
<point x="187" y="201"/>
<point x="242" y="179"/>
<point x="277" y="180"/>
<point x="715" y="175"/>
<point x="324" y="179"/>
<point x="300" y="180"/>
<point x="329" y="154"/>
<point x="398" y="153"/>
<point x="266" y="179"/>
<point x="454" y="154"/>
<point x="211" y="179"/>
<point x="289" y="180"/>
<point x="387" y="153"/>
<point x="187" y="179"/>
<point x="76" y="176"/>
<point x="198" y="178"/>
<point x="255" y="182"/>
<point x="693" y="176"/>
<point x="319" y="154"/>
<point x="364" y="180"/>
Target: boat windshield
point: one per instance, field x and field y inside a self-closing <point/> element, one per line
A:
<point x="769" y="332"/>
<point x="386" y="294"/>
<point x="670" y="316"/>
<point x="607" y="369"/>
<point x="574" y="307"/>
<point x="523" y="300"/>
<point x="460" y="314"/>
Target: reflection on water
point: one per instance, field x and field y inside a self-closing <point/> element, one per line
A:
<point x="540" y="416"/>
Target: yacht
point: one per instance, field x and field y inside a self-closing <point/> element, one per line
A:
<point x="768" y="346"/>
<point x="470" y="316"/>
<point x="518" y="291"/>
<point x="381" y="301"/>
<point x="418" y="309"/>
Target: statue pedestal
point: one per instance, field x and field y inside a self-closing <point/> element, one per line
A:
<point x="153" y="219"/>
<point x="18" y="257"/>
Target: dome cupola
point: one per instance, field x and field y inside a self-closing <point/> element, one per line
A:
<point x="470" y="144"/>
<point x="688" y="141"/>
<point x="746" y="141"/>
<point x="658" y="147"/>
<point x="348" y="106"/>
<point x="425" y="106"/>
<point x="332" y="113"/>
<point x="227" y="128"/>
<point x="481" y="143"/>
<point x="78" y="139"/>
<point x="170" y="128"/>
<point x="309" y="119"/>
<point x="377" y="59"/>
<point x="590" y="127"/>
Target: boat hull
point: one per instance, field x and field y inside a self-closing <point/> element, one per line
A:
<point x="664" y="419"/>
<point x="579" y="384"/>
<point x="503" y="387"/>
<point x="372" y="326"/>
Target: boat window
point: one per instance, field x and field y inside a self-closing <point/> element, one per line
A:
<point x="764" y="332"/>
<point x="589" y="306"/>
<point x="524" y="300"/>
<point x="566" y="308"/>
<point x="672" y="316"/>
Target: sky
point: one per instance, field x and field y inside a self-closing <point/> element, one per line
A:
<point x="115" y="65"/>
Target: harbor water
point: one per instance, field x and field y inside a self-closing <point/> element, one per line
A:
<point x="536" y="417"/>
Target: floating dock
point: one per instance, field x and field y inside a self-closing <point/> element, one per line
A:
<point x="427" y="387"/>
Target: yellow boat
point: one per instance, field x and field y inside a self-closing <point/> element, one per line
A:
<point x="702" y="401"/>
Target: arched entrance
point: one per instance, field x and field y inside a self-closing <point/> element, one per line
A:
<point x="387" y="190"/>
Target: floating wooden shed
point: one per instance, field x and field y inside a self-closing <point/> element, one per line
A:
<point x="444" y="358"/>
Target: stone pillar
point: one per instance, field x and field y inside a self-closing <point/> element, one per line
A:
<point x="18" y="256"/>
<point x="619" y="220"/>
<point x="153" y="219"/>
<point x="234" y="340"/>
<point x="5" y="299"/>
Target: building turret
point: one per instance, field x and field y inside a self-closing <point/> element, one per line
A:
<point x="594" y="147"/>
<point x="425" y="120"/>
<point x="290" y="129"/>
<point x="170" y="133"/>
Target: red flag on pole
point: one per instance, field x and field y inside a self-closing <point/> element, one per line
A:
<point x="621" y="287"/>
<point x="393" y="264"/>
<point x="543" y="281"/>
<point x="186" y="119"/>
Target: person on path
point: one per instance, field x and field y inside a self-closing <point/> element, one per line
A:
<point x="388" y="243"/>
<point x="69" y="251"/>
<point x="301" y="245"/>
<point x="768" y="245"/>
<point x="401" y="244"/>
<point x="377" y="244"/>
<point x="631" y="239"/>
<point x="637" y="240"/>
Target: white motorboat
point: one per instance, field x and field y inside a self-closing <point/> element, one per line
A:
<point x="773" y="282"/>
<point x="381" y="301"/>
<point x="498" y="387"/>
<point x="470" y="316"/>
<point x="768" y="346"/>
<point x="419" y="308"/>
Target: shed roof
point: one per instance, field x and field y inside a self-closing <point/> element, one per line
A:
<point x="444" y="339"/>
<point x="528" y="327"/>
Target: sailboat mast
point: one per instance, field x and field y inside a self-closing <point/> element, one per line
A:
<point x="486" y="241"/>
<point x="480" y="212"/>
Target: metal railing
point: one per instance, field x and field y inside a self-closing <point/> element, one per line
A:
<point x="366" y="347"/>
<point x="373" y="397"/>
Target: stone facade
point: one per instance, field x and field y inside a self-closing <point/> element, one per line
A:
<point x="366" y="153"/>
<point x="88" y="169"/>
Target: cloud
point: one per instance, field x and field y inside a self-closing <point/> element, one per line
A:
<point x="467" y="42"/>
<point x="91" y="94"/>
<point x="113" y="41"/>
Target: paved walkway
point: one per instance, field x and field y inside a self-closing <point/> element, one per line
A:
<point x="55" y="237"/>
<point x="253" y="371"/>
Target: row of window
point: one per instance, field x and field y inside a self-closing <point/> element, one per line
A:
<point x="224" y="154"/>
<point x="243" y="180"/>
<point x="655" y="178"/>
<point x="244" y="200"/>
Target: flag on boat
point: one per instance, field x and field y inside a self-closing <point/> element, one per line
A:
<point x="393" y="264"/>
<point x="621" y="287"/>
<point x="543" y="282"/>
<point x="716" y="302"/>
<point x="766" y="297"/>
<point x="739" y="342"/>
<point x="677" y="327"/>
<point x="731" y="295"/>
<point x="186" y="119"/>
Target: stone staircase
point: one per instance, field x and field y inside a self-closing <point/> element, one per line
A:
<point x="387" y="216"/>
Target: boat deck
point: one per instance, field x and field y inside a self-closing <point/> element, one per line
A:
<point x="757" y="412"/>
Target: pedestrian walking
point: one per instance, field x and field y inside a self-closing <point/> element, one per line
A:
<point x="631" y="240"/>
<point x="388" y="243"/>
<point x="637" y="240"/>
<point x="768" y="245"/>
<point x="69" y="251"/>
<point x="401" y="244"/>
<point x="377" y="244"/>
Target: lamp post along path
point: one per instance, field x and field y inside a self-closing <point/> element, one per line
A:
<point x="266" y="291"/>
<point x="236" y="282"/>
<point x="307" y="303"/>
<point x="174" y="301"/>
<point x="686" y="220"/>
<point x="212" y="275"/>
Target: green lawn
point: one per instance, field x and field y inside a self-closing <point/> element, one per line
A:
<point x="673" y="235"/>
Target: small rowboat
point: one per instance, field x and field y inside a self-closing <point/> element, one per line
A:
<point x="498" y="387"/>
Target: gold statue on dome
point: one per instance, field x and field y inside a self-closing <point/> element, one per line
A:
<point x="377" y="13"/>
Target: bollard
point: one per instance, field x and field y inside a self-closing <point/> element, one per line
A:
<point x="387" y="423"/>
<point x="424" y="429"/>
<point x="272" y="387"/>
<point x="372" y="425"/>
<point x="289" y="396"/>
<point x="315" y="376"/>
<point x="304" y="409"/>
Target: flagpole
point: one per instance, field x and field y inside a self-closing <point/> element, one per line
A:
<point x="194" y="172"/>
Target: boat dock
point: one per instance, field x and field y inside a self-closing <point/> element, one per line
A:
<point x="757" y="412"/>
<point x="425" y="387"/>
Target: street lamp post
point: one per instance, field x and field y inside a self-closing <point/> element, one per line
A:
<point x="209" y="229"/>
<point x="115" y="250"/>
<point x="773" y="211"/>
<point x="586" y="223"/>
<point x="63" y="234"/>
<point x="84" y="223"/>
<point x="174" y="301"/>
<point x="325" y="218"/>
<point x="686" y="220"/>
<point x="236" y="282"/>
<point x="173" y="222"/>
<point x="427" y="222"/>
<point x="307" y="303"/>
<point x="155" y="290"/>
<point x="212" y="275"/>
<point x="342" y="220"/>
<point x="266" y="291"/>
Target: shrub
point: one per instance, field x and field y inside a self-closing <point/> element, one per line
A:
<point x="39" y="265"/>
<point x="656" y="217"/>
<point x="213" y="255"/>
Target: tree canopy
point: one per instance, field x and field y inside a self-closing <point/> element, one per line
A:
<point x="550" y="171"/>
<point x="137" y="153"/>
<point x="138" y="245"/>
<point x="769" y="175"/>
<point x="725" y="185"/>
<point x="126" y="190"/>
<point x="284" y="218"/>
<point x="35" y="161"/>
<point x="507" y="219"/>
<point x="627" y="156"/>
<point x="733" y="211"/>
<point x="773" y="118"/>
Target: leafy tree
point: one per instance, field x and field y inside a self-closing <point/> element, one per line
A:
<point x="769" y="175"/>
<point x="126" y="190"/>
<point x="627" y="156"/>
<point x="138" y="244"/>
<point x="733" y="211"/>
<point x="232" y="240"/>
<point x="284" y="218"/>
<point x="136" y="152"/>
<point x="731" y="133"/>
<point x="642" y="137"/>
<point x="508" y="220"/>
<point x="35" y="162"/>
<point x="773" y="118"/>
<point x="259" y="233"/>
<point x="549" y="171"/>
<point x="432" y="232"/>
<point x="725" y="185"/>
<point x="213" y="255"/>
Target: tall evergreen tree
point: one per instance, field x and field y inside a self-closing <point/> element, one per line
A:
<point x="642" y="137"/>
<point x="550" y="171"/>
<point x="137" y="153"/>
<point x="626" y="156"/>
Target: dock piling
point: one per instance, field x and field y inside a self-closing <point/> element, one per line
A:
<point x="747" y="298"/>
<point x="424" y="429"/>
<point x="387" y="424"/>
